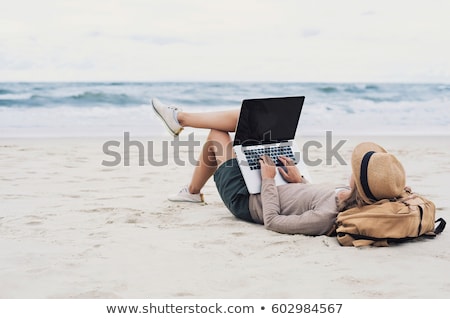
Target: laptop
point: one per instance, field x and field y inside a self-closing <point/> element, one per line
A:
<point x="267" y="126"/>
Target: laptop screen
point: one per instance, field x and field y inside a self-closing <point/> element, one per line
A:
<point x="270" y="120"/>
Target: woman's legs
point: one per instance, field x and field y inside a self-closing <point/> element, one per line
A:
<point x="218" y="146"/>
<point x="216" y="150"/>
<point x="221" y="120"/>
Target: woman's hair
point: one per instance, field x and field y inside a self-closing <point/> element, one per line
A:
<point x="353" y="200"/>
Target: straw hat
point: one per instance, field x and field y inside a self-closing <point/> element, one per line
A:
<point x="378" y="174"/>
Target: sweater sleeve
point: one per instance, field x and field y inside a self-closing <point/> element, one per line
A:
<point x="310" y="222"/>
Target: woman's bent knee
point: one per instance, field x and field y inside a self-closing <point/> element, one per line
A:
<point x="219" y="142"/>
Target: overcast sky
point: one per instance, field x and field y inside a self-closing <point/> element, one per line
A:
<point x="226" y="40"/>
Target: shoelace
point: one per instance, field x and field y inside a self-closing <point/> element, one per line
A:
<point x="174" y="108"/>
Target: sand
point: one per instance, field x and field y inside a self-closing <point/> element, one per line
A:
<point x="71" y="227"/>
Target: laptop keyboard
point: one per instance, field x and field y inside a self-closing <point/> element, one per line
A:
<point x="253" y="155"/>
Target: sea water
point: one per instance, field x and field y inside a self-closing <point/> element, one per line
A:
<point x="110" y="109"/>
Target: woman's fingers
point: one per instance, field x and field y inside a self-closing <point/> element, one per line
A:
<point x="286" y="160"/>
<point x="283" y="172"/>
<point x="267" y="160"/>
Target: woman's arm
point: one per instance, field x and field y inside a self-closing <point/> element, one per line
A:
<point x="310" y="222"/>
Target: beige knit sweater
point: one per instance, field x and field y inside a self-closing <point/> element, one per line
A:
<point x="296" y="208"/>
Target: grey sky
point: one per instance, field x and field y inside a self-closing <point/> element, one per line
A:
<point x="266" y="40"/>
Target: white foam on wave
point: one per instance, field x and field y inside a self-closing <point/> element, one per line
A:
<point x="107" y="109"/>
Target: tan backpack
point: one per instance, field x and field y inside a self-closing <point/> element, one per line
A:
<point x="386" y="221"/>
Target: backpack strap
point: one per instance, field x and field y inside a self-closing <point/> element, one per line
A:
<point x="440" y="227"/>
<point x="358" y="240"/>
<point x="367" y="242"/>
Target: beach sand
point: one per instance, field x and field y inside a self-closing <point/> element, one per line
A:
<point x="71" y="227"/>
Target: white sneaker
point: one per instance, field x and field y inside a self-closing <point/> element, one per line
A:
<point x="168" y="116"/>
<point x="184" y="196"/>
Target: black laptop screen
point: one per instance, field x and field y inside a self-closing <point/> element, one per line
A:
<point x="270" y="120"/>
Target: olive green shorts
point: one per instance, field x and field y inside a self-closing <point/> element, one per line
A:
<point x="231" y="187"/>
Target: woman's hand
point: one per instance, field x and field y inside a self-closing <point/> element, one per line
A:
<point x="267" y="167"/>
<point x="289" y="172"/>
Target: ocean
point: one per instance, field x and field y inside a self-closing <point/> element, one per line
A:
<point x="110" y="109"/>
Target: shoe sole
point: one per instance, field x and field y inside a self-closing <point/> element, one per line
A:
<point x="202" y="200"/>
<point x="184" y="201"/>
<point x="164" y="121"/>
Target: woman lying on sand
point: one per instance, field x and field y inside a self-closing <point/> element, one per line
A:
<point x="298" y="207"/>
